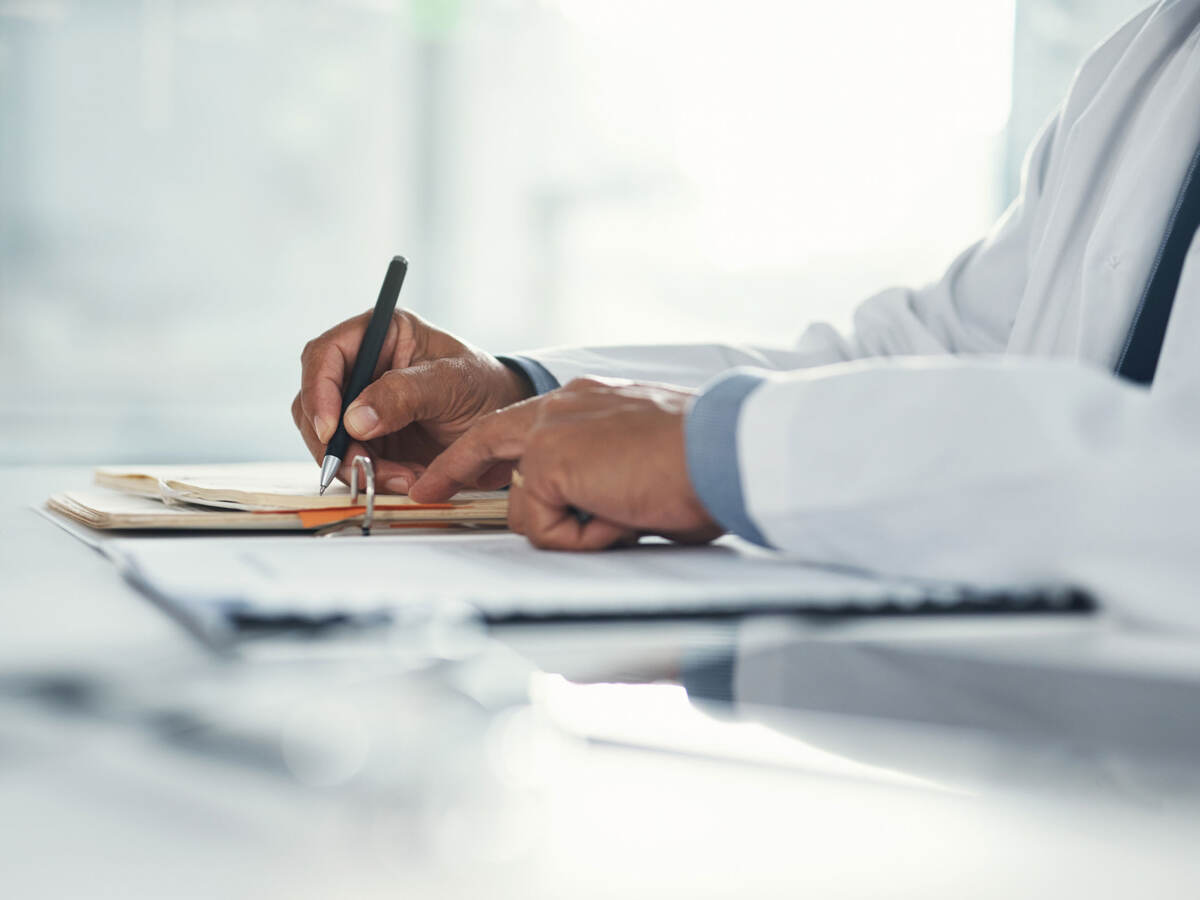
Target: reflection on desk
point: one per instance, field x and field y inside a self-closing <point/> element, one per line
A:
<point x="134" y="764"/>
<point x="1035" y="703"/>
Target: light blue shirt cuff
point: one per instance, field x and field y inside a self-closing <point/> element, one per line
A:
<point x="710" y="434"/>
<point x="539" y="376"/>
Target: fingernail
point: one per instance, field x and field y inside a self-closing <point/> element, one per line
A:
<point x="323" y="427"/>
<point x="362" y="420"/>
<point x="397" y="485"/>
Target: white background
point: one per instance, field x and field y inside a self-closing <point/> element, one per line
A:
<point x="190" y="190"/>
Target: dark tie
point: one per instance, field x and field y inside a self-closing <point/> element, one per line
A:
<point x="1139" y="357"/>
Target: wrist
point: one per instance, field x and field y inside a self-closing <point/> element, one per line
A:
<point x="712" y="454"/>
<point x="517" y="384"/>
<point x="693" y="506"/>
<point x="537" y="375"/>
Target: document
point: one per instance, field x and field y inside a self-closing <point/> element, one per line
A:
<point x="505" y="578"/>
<point x="268" y="486"/>
<point x="254" y="497"/>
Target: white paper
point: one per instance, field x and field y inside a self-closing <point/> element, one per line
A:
<point x="501" y="575"/>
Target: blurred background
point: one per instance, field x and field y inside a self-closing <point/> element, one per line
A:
<point x="191" y="190"/>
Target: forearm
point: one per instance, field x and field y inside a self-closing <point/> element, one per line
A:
<point x="686" y="365"/>
<point x="983" y="470"/>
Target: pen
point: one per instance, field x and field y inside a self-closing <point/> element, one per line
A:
<point x="364" y="364"/>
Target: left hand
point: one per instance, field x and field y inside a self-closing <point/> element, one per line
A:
<point x="612" y="449"/>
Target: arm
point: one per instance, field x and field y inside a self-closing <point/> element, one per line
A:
<point x="988" y="471"/>
<point x="968" y="312"/>
<point x="958" y="469"/>
<point x="632" y="458"/>
<point x="968" y="467"/>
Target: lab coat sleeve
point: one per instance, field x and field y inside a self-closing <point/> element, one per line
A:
<point x="969" y="312"/>
<point x="988" y="470"/>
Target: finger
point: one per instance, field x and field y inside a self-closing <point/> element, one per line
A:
<point x="400" y="397"/>
<point x="305" y="427"/>
<point x="553" y="526"/>
<point x="516" y="507"/>
<point x="496" y="477"/>
<point x="391" y="477"/>
<point x="326" y="362"/>
<point x="498" y="437"/>
<point x="395" y="477"/>
<point x="322" y="374"/>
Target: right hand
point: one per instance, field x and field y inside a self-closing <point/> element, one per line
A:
<point x="429" y="387"/>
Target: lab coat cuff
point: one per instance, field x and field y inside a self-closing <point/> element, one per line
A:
<point x="539" y="376"/>
<point x="711" y="439"/>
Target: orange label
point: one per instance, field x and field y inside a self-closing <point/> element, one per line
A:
<point x="315" y="518"/>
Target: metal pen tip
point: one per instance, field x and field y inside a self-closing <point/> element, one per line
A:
<point x="329" y="469"/>
<point x="321" y="492"/>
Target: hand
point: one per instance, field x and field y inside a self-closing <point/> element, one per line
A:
<point x="614" y="450"/>
<point x="429" y="388"/>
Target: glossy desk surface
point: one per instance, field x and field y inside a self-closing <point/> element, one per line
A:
<point x="133" y="762"/>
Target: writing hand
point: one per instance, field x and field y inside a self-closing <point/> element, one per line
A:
<point x="428" y="389"/>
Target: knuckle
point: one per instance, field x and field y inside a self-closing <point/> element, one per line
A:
<point x="554" y="404"/>
<point x="393" y="386"/>
<point x="391" y="381"/>
<point x="408" y="324"/>
<point x="487" y="430"/>
<point x="448" y="369"/>
<point x="490" y="420"/>
<point x="542" y="448"/>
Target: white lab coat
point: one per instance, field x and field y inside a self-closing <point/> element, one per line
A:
<point x="972" y="429"/>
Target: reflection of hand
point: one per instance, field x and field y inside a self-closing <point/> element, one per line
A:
<point x="429" y="387"/>
<point x="614" y="450"/>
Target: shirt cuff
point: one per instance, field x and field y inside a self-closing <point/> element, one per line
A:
<point x="710" y="435"/>
<point x="539" y="376"/>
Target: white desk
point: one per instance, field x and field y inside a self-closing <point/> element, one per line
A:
<point x="133" y="764"/>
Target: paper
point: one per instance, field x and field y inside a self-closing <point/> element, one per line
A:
<point x="275" y="486"/>
<point x="254" y="497"/>
<point x="503" y="576"/>
<point x="104" y="509"/>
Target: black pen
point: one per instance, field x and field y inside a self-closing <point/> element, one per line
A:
<point x="364" y="364"/>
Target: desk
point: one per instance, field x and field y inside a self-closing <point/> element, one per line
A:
<point x="134" y="764"/>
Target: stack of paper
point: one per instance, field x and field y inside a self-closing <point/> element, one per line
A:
<point x="253" y="496"/>
<point x="505" y="578"/>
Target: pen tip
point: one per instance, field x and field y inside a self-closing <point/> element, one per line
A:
<point x="321" y="493"/>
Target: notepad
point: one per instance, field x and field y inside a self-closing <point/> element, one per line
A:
<point x="252" y="496"/>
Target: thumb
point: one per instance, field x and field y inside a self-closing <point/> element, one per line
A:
<point x="397" y="399"/>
